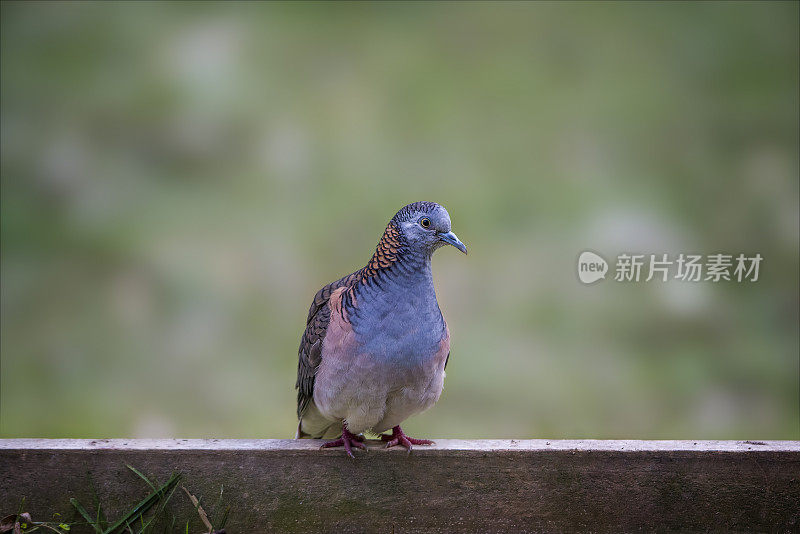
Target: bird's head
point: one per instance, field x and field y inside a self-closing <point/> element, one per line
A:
<point x="426" y="227"/>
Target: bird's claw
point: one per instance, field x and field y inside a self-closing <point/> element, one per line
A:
<point x="398" y="437"/>
<point x="348" y="441"/>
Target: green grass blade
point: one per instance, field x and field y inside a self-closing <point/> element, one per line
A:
<point x="145" y="505"/>
<point x="224" y="519"/>
<point x="212" y="516"/>
<point x="85" y="514"/>
<point x="159" y="510"/>
<point x="152" y="487"/>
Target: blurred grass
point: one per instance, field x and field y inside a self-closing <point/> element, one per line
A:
<point x="179" y="179"/>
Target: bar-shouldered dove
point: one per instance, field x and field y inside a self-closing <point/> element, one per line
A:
<point x="376" y="345"/>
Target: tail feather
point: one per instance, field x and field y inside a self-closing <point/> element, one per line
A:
<point x="300" y="434"/>
<point x="313" y="425"/>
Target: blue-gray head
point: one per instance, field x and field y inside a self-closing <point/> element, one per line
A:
<point x="425" y="226"/>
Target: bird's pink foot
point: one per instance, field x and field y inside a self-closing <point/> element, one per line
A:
<point x="399" y="437"/>
<point x="348" y="441"/>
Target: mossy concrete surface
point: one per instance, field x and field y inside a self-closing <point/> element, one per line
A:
<point x="453" y="486"/>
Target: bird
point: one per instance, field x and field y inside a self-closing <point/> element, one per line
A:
<point x="375" y="346"/>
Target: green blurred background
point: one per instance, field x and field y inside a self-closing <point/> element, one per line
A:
<point x="179" y="179"/>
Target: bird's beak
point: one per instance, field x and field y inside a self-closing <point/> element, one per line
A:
<point x="451" y="239"/>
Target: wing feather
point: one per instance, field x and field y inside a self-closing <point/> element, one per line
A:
<point x="310" y="351"/>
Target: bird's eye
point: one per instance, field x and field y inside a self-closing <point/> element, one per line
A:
<point x="425" y="222"/>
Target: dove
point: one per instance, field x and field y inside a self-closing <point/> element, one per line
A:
<point x="375" y="346"/>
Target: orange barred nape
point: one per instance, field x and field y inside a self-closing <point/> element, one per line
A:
<point x="392" y="241"/>
<point x="386" y="252"/>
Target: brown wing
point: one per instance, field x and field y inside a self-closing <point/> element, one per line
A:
<point x="310" y="352"/>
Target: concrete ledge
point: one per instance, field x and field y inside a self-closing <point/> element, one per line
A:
<point x="454" y="486"/>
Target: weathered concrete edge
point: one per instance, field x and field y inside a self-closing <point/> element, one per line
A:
<point x="455" y="486"/>
<point x="275" y="445"/>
